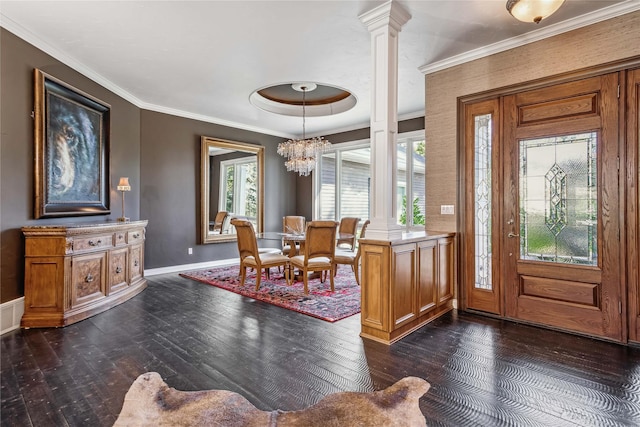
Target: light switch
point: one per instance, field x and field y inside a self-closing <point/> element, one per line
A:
<point x="446" y="210"/>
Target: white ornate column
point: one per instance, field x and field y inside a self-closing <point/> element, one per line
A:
<point x="384" y="23"/>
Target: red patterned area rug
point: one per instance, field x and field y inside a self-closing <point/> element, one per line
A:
<point x="320" y="302"/>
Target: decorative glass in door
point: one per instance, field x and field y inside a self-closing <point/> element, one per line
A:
<point x="482" y="201"/>
<point x="558" y="199"/>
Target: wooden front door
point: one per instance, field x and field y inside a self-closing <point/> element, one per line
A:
<point x="560" y="222"/>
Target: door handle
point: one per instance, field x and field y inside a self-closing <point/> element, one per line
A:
<point x="512" y="235"/>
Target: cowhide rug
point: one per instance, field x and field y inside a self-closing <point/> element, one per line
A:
<point x="151" y="402"/>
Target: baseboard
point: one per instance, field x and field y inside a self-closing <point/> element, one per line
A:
<point x="10" y="314"/>
<point x="185" y="267"/>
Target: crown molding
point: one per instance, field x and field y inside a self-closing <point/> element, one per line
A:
<point x="213" y="120"/>
<point x="78" y="66"/>
<point x="534" y="36"/>
<point x="65" y="58"/>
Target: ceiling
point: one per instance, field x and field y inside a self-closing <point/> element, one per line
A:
<point x="204" y="59"/>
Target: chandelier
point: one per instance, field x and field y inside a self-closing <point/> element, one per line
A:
<point x="302" y="154"/>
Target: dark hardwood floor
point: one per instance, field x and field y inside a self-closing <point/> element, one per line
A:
<point x="483" y="372"/>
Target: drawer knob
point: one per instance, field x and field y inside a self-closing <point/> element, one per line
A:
<point x="118" y="269"/>
<point x="95" y="243"/>
<point x="135" y="263"/>
<point x="89" y="278"/>
<point x="136" y="235"/>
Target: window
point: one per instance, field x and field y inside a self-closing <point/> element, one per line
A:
<point x="410" y="201"/>
<point x="343" y="181"/>
<point x="239" y="192"/>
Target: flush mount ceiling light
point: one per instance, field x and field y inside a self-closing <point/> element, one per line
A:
<point x="532" y="10"/>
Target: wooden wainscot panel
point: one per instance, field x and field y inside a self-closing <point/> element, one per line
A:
<point x="559" y="109"/>
<point x="401" y="283"/>
<point x="560" y="290"/>
<point x="373" y="280"/>
<point x="446" y="270"/>
<point x="427" y="279"/>
<point x="565" y="315"/>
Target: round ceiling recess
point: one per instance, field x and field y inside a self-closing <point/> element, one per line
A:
<point x="319" y="99"/>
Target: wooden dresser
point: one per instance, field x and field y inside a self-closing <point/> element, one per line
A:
<point x="406" y="283"/>
<point x="73" y="271"/>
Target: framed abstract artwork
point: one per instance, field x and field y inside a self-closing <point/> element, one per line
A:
<point x="71" y="150"/>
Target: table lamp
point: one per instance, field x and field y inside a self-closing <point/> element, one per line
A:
<point x="123" y="186"/>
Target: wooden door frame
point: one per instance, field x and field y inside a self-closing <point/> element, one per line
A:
<point x="629" y="168"/>
<point x="632" y="195"/>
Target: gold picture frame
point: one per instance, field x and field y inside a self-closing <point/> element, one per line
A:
<point x="71" y="136"/>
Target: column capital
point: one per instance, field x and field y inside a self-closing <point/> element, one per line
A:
<point x="390" y="14"/>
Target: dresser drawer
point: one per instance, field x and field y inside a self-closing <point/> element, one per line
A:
<point x="135" y="236"/>
<point x="120" y="238"/>
<point x="92" y="243"/>
<point x="88" y="278"/>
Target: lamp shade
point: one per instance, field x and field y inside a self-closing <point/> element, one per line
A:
<point x="532" y="10"/>
<point x="123" y="185"/>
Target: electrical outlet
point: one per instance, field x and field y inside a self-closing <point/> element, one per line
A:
<point x="190" y="251"/>
<point x="446" y="210"/>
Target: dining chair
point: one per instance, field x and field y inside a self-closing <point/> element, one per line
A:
<point x="318" y="251"/>
<point x="292" y="224"/>
<point x="250" y="256"/>
<point x="348" y="225"/>
<point x="350" y="257"/>
<point x="219" y="221"/>
<point x="226" y="224"/>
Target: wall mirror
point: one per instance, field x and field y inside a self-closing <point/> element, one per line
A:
<point x="232" y="186"/>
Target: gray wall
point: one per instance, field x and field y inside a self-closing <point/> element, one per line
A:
<point x="159" y="153"/>
<point x="18" y="60"/>
<point x="170" y="198"/>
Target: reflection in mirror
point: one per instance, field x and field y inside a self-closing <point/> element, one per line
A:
<point x="232" y="186"/>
